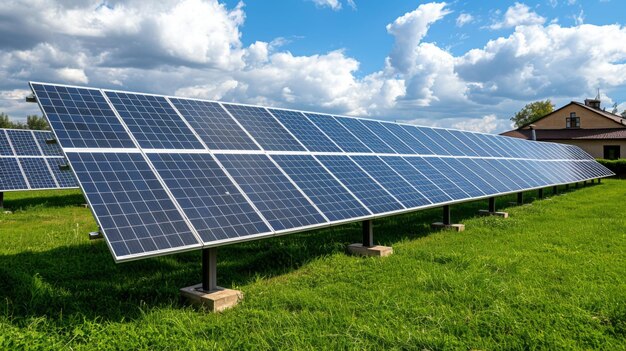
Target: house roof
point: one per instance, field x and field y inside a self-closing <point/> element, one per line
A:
<point x="613" y="117"/>
<point x="568" y="134"/>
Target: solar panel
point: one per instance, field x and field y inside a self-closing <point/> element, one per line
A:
<point x="330" y="196"/>
<point x="81" y="117"/>
<point x="133" y="209"/>
<point x="11" y="175"/>
<point x="264" y="128"/>
<point x="156" y="189"/>
<point x="309" y="135"/>
<point x="153" y="122"/>
<point x="64" y="177"/>
<point x="210" y="200"/>
<point x="5" y="147"/>
<point x="278" y="200"/>
<point x="23" y="142"/>
<point x="217" y="129"/>
<point x="47" y="143"/>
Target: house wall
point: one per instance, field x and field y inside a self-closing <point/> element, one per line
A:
<point x="588" y="119"/>
<point x="595" y="147"/>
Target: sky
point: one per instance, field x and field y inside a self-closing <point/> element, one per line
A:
<point x="458" y="64"/>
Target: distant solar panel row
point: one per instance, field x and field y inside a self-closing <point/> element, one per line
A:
<point x="29" y="161"/>
<point x="170" y="174"/>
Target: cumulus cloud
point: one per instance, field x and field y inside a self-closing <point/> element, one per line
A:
<point x="464" y="19"/>
<point x="335" y="5"/>
<point x="518" y="15"/>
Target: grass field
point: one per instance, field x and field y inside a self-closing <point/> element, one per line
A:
<point x="553" y="276"/>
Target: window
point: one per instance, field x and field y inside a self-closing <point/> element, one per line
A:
<point x="611" y="152"/>
<point x="572" y="121"/>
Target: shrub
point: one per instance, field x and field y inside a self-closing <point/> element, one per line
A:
<point x="617" y="166"/>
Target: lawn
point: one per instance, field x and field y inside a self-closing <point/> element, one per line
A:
<point x="552" y="276"/>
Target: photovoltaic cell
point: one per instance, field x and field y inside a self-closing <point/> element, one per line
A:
<point x="468" y="146"/>
<point x="360" y="184"/>
<point x="153" y="122"/>
<point x="457" y="178"/>
<point x="340" y="135"/>
<point x="38" y="174"/>
<point x="11" y="176"/>
<point x="264" y="128"/>
<point x="308" y="134"/>
<point x="396" y="144"/>
<point x="23" y="142"/>
<point x="365" y="135"/>
<point x="282" y="205"/>
<point x="81" y="118"/>
<point x="496" y="178"/>
<point x="419" y="134"/>
<point x="390" y="180"/>
<point x="48" y="148"/>
<point x="475" y="176"/>
<point x="442" y="182"/>
<point x="210" y="200"/>
<point x="65" y="178"/>
<point x="5" y="147"/>
<point x="134" y="211"/>
<point x="419" y="181"/>
<point x="335" y="202"/>
<point x="445" y="140"/>
<point x="417" y="146"/>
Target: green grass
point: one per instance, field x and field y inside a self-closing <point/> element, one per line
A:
<point x="553" y="276"/>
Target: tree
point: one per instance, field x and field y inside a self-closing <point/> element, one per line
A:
<point x="614" y="111"/>
<point x="624" y="114"/>
<point x="37" y="123"/>
<point x="4" y="120"/>
<point x="532" y="112"/>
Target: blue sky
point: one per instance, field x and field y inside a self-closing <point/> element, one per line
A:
<point x="460" y="64"/>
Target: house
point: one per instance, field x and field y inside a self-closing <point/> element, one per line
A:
<point x="602" y="134"/>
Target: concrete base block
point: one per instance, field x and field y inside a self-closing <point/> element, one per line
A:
<point x="454" y="227"/>
<point x="370" y="251"/>
<point x="498" y="214"/>
<point x="215" y="301"/>
<point x="84" y="205"/>
<point x="7" y="212"/>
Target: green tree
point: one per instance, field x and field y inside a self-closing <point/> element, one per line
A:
<point x="4" y="120"/>
<point x="532" y="112"/>
<point x="37" y="123"/>
<point x="614" y="111"/>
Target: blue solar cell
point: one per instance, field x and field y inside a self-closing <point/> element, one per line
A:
<point x="213" y="204"/>
<point x="65" y="178"/>
<point x="135" y="214"/>
<point x="365" y="135"/>
<point x="442" y="182"/>
<point x="5" y="147"/>
<point x="527" y="175"/>
<point x="340" y="135"/>
<point x="335" y="202"/>
<point x="264" y="128"/>
<point x="38" y="173"/>
<point x="545" y="177"/>
<point x="214" y="125"/>
<point x="153" y="122"/>
<point x="419" y="181"/>
<point x="304" y="130"/>
<point x="388" y="137"/>
<point x="487" y="174"/>
<point x="508" y="169"/>
<point x="48" y="148"/>
<point x="23" y="142"/>
<point x="468" y="146"/>
<point x="420" y="134"/>
<point x="417" y="146"/>
<point x="497" y="177"/>
<point x="446" y="140"/>
<point x="81" y="118"/>
<point x="488" y="143"/>
<point x="377" y="199"/>
<point x="281" y="203"/>
<point x="443" y="166"/>
<point x="390" y="180"/>
<point x="11" y="176"/>
<point x="475" y="176"/>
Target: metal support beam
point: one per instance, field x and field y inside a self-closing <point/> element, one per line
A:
<point x="209" y="269"/>
<point x="566" y="187"/>
<point x="599" y="179"/>
<point x="446" y="215"/>
<point x="1" y="199"/>
<point x="368" y="233"/>
<point x="555" y="190"/>
<point x="585" y="183"/>
<point x="520" y="198"/>
<point x="492" y="204"/>
<point x="540" y="193"/>
<point x="576" y="185"/>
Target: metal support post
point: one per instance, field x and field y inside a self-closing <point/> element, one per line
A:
<point x="492" y="204"/>
<point x="446" y="215"/>
<point x="520" y="198"/>
<point x="209" y="269"/>
<point x="555" y="190"/>
<point x="368" y="233"/>
<point x="599" y="179"/>
<point x="566" y="187"/>
<point x="540" y="193"/>
<point x="1" y="199"/>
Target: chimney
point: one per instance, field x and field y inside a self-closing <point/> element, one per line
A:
<point x="533" y="134"/>
<point x="593" y="103"/>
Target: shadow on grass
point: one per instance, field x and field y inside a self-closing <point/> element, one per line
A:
<point x="71" y="284"/>
<point x="32" y="200"/>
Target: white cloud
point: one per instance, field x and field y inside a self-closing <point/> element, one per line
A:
<point x="72" y="75"/>
<point x="518" y="15"/>
<point x="580" y="18"/>
<point x="335" y="5"/>
<point x="464" y="19"/>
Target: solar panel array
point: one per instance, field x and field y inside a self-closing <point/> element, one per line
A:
<point x="168" y="174"/>
<point x="31" y="160"/>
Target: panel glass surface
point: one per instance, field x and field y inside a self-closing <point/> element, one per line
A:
<point x="23" y="142"/>
<point x="417" y="146"/>
<point x="360" y="184"/>
<point x="340" y="135"/>
<point x="65" y="178"/>
<point x="496" y="177"/>
<point x="335" y="202"/>
<point x="308" y="134"/>
<point x="468" y="146"/>
<point x="443" y="138"/>
<point x="5" y="147"/>
<point x="281" y="203"/>
<point x="264" y="128"/>
<point x="49" y="149"/>
<point x="11" y="177"/>
<point x="37" y="173"/>
<point x="153" y="122"/>
<point x="391" y="181"/>
<point x="214" y="125"/>
<point x="445" y="184"/>
<point x="134" y="211"/>
<point x="365" y="135"/>
<point x="379" y="129"/>
<point x="210" y="200"/>
<point x="419" y="134"/>
<point x="443" y="166"/>
<point x="417" y="179"/>
<point x="81" y="118"/>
